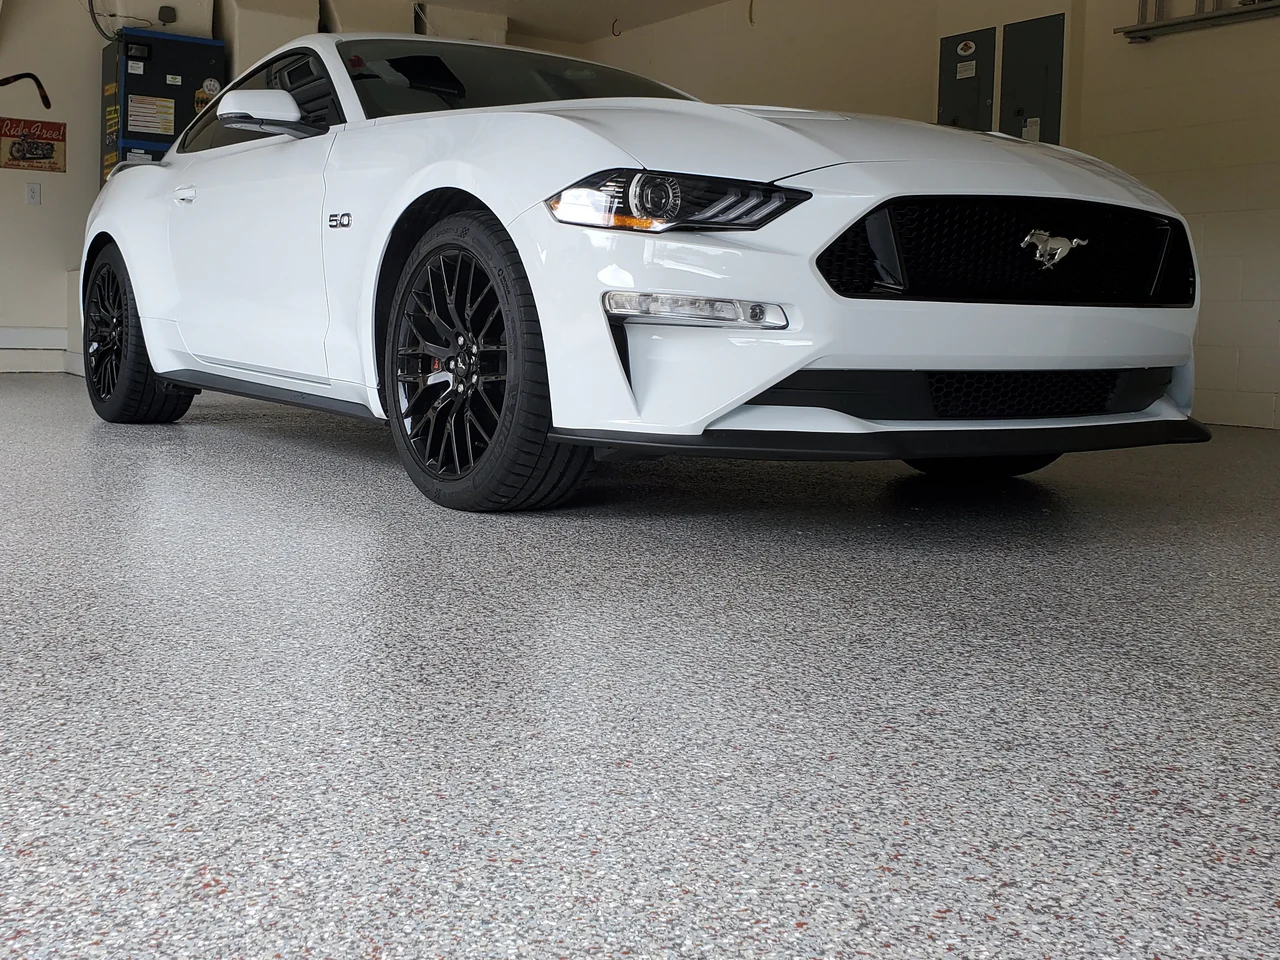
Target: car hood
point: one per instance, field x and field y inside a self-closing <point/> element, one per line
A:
<point x="775" y="143"/>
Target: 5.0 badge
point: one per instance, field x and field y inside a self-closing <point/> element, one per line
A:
<point x="339" y="221"/>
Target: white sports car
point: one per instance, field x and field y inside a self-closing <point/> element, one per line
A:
<point x="527" y="263"/>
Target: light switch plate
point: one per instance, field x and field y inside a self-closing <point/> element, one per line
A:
<point x="33" y="194"/>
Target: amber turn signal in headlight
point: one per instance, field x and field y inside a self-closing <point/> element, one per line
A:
<point x="658" y="202"/>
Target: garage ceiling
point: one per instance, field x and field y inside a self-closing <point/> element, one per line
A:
<point x="580" y="20"/>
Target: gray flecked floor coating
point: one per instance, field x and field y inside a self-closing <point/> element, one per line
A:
<point x="258" y="698"/>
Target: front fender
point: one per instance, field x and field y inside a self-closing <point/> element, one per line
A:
<point x="509" y="162"/>
<point x="133" y="210"/>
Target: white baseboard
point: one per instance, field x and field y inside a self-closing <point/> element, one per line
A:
<point x="33" y="338"/>
<point x="33" y="361"/>
<point x="73" y="363"/>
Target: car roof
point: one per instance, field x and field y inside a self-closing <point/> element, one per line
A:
<point x="332" y="39"/>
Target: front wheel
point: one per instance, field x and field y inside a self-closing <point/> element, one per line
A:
<point x="123" y="388"/>
<point x="967" y="469"/>
<point x="466" y="376"/>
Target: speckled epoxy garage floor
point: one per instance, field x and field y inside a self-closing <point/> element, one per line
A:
<point x="258" y="699"/>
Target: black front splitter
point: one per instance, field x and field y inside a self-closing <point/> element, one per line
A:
<point x="888" y="444"/>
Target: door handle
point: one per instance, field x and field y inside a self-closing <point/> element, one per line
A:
<point x="185" y="194"/>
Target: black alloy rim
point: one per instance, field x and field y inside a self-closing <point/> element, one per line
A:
<point x="451" y="365"/>
<point x="105" y="322"/>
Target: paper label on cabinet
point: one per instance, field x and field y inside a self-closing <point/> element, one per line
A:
<point x="966" y="68"/>
<point x="152" y="115"/>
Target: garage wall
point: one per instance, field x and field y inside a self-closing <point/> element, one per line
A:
<point x="39" y="245"/>
<point x="345" y="16"/>
<point x="863" y="56"/>
<point x="442" y="21"/>
<point x="253" y="28"/>
<point x="1197" y="116"/>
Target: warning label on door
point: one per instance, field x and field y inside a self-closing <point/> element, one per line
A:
<point x="153" y="115"/>
<point x="33" y="145"/>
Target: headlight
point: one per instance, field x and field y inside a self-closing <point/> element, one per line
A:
<point x="657" y="202"/>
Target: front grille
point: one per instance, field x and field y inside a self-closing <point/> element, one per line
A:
<point x="970" y="249"/>
<point x="971" y="394"/>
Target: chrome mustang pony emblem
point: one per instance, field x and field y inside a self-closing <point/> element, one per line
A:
<point x="1051" y="250"/>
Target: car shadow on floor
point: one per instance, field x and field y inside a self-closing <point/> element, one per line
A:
<point x="849" y="495"/>
<point x="799" y="502"/>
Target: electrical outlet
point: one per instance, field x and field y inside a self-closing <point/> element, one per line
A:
<point x="33" y="194"/>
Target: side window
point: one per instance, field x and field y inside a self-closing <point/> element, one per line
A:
<point x="300" y="74"/>
<point x="207" y="133"/>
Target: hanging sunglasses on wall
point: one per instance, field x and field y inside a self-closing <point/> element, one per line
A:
<point x="44" y="96"/>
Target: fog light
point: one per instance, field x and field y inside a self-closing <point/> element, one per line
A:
<point x="696" y="311"/>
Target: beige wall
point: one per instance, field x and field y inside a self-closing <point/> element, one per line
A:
<point x="344" y="16"/>
<point x="195" y="17"/>
<point x="1197" y="116"/>
<point x="444" y="21"/>
<point x="859" y="56"/>
<point x="39" y="245"/>
<point x="253" y="28"/>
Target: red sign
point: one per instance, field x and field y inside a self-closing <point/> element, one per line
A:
<point x="33" y="145"/>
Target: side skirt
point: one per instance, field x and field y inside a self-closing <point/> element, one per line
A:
<point x="199" y="380"/>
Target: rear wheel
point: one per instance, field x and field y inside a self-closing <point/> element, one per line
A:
<point x="117" y="371"/>
<point x="965" y="469"/>
<point x="466" y="376"/>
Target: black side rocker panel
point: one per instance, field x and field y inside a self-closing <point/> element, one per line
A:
<point x="199" y="380"/>
<point x="888" y="445"/>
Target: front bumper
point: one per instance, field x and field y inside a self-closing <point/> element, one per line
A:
<point x="919" y="444"/>
<point x="681" y="383"/>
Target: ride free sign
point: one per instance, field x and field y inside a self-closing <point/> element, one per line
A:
<point x="33" y="145"/>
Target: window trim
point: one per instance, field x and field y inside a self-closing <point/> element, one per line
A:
<point x="180" y="145"/>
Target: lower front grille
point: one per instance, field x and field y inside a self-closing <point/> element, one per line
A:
<point x="967" y="395"/>
<point x="971" y="394"/>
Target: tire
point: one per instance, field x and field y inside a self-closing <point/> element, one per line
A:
<point x="465" y="376"/>
<point x="968" y="469"/>
<point x="18" y="150"/>
<point x="117" y="371"/>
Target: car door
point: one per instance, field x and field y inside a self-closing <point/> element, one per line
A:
<point x="245" y="231"/>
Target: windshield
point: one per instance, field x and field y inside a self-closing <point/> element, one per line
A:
<point x="399" y="77"/>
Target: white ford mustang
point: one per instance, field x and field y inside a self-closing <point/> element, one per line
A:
<point x="527" y="263"/>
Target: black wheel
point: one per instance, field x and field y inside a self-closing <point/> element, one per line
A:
<point x="466" y="377"/>
<point x="967" y="469"/>
<point x="18" y="150"/>
<point x="122" y="386"/>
